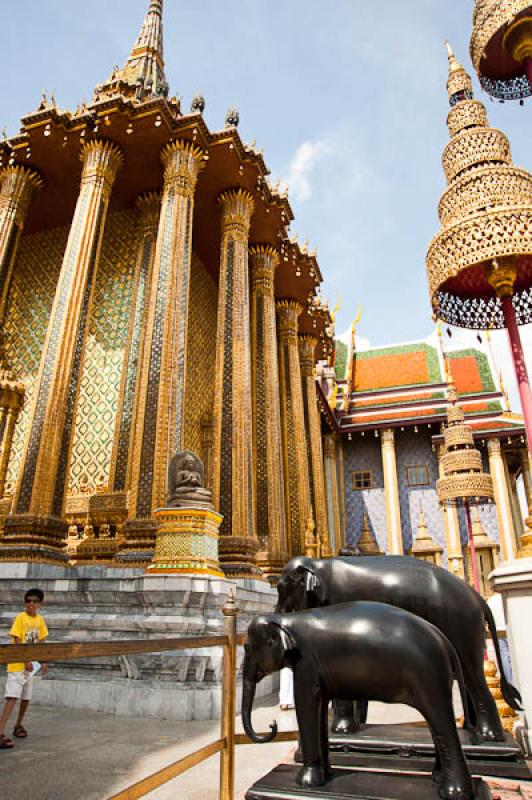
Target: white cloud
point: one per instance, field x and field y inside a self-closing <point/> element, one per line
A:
<point x="301" y="167"/>
<point x="361" y="342"/>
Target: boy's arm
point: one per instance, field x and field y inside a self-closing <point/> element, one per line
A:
<point x="28" y="666"/>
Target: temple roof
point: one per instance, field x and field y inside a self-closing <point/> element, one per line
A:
<point x="404" y="385"/>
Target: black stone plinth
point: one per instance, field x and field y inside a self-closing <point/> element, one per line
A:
<point x="280" y="784"/>
<point x="410" y="747"/>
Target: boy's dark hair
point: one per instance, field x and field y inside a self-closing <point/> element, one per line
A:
<point x="34" y="593"/>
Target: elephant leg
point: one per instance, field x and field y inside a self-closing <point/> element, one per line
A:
<point x="310" y="710"/>
<point x="451" y="770"/>
<point x="487" y="722"/>
<point x="344" y="718"/>
<point x="324" y="737"/>
<point x="362" y="711"/>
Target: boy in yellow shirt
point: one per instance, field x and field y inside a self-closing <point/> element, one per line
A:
<point x="28" y="628"/>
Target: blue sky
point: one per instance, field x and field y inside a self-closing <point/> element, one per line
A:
<point x="347" y="98"/>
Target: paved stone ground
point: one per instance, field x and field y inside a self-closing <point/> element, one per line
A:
<point x="78" y="755"/>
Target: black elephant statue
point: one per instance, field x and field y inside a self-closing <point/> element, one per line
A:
<point x="360" y="650"/>
<point x="426" y="590"/>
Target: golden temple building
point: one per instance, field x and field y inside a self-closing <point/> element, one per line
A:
<point x="152" y="301"/>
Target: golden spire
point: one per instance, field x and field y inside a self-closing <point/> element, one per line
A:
<point x="142" y="78"/>
<point x="484" y="212"/>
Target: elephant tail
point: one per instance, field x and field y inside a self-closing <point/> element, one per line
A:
<point x="459" y="675"/>
<point x="509" y="692"/>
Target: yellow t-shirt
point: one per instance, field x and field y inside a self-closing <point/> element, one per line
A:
<point x="29" y="630"/>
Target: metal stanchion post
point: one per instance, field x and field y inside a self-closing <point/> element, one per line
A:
<point x="227" y="757"/>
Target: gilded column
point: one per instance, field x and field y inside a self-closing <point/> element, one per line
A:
<point x="233" y="440"/>
<point x="341" y="489"/>
<point x="207" y="447"/>
<point x="11" y="402"/>
<point x="17" y="186"/>
<point x="297" y="487"/>
<point x="502" y="501"/>
<point x="149" y="208"/>
<point x="451" y="524"/>
<point x="160" y="387"/>
<point x="391" y="493"/>
<point x="39" y="498"/>
<point x="268" y="451"/>
<point x="525" y="545"/>
<point x="307" y="358"/>
<point x="333" y="493"/>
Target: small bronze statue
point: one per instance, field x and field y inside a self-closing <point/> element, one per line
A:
<point x="359" y="651"/>
<point x="185" y="483"/>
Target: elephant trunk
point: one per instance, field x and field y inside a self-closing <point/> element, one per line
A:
<point x="248" y="695"/>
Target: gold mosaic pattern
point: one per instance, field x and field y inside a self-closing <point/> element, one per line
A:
<point x="201" y="354"/>
<point x="35" y="275"/>
<point x="104" y="356"/>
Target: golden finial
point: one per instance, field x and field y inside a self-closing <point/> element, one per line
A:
<point x="454" y="66"/>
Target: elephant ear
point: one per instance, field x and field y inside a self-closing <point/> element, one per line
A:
<point x="312" y="583"/>
<point x="287" y="640"/>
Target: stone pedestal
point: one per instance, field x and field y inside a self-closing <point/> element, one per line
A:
<point x="514" y="581"/>
<point x="186" y="541"/>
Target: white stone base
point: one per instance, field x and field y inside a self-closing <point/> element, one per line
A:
<point x="513" y="580"/>
<point x="131" y="698"/>
<point x="100" y="603"/>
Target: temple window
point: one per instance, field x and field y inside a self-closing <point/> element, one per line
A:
<point x="417" y="475"/>
<point x="362" y="479"/>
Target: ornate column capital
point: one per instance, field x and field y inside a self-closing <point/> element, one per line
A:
<point x="264" y="261"/>
<point x="388" y="437"/>
<point x="237" y="209"/>
<point x="17" y="187"/>
<point x="101" y="162"/>
<point x="494" y="448"/>
<point x="307" y="354"/>
<point x="149" y="208"/>
<point x="288" y="312"/>
<point x="182" y="163"/>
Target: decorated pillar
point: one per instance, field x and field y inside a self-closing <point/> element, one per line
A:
<point x="268" y="451"/>
<point x="502" y="501"/>
<point x="233" y="440"/>
<point x="17" y="186"/>
<point x="451" y="523"/>
<point x="37" y="529"/>
<point x="333" y="493"/>
<point x="160" y="386"/>
<point x="297" y="487"/>
<point x="149" y="208"/>
<point x="207" y="446"/>
<point x="11" y="402"/>
<point x="341" y="489"/>
<point x="391" y="493"/>
<point x="307" y="358"/>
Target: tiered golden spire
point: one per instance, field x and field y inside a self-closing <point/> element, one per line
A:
<point x="485" y="213"/>
<point x="463" y="478"/>
<point x="142" y="77"/>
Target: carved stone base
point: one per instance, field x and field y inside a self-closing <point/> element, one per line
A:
<point x="238" y="557"/>
<point x="138" y="543"/>
<point x="96" y="551"/>
<point x="187" y="541"/>
<point x="271" y="567"/>
<point x="30" y="538"/>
